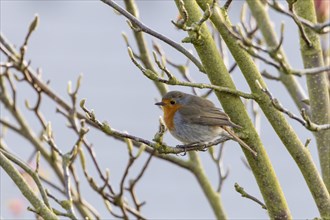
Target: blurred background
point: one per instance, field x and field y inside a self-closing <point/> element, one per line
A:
<point x="84" y="37"/>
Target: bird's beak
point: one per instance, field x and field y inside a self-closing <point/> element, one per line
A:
<point x="160" y="103"/>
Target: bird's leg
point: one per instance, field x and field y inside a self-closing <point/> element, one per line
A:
<point x="194" y="145"/>
<point x="204" y="145"/>
<point x="184" y="153"/>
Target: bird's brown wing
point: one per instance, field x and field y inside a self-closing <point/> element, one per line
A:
<point x="200" y="102"/>
<point x="206" y="116"/>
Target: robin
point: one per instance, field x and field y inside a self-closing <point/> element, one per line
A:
<point x="193" y="120"/>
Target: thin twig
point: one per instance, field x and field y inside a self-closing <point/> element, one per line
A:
<point x="267" y="75"/>
<point x="310" y="71"/>
<point x="133" y="183"/>
<point x="241" y="191"/>
<point x="227" y="4"/>
<point x="320" y="28"/>
<point x="218" y="160"/>
<point x="250" y="47"/>
<point x="146" y="29"/>
<point x="7" y="48"/>
<point x="10" y="126"/>
<point x="174" y="81"/>
<point x="305" y="121"/>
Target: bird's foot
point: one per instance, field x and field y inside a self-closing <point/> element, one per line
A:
<point x="199" y="146"/>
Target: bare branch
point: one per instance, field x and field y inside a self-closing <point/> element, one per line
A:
<point x="306" y="122"/>
<point x="310" y="71"/>
<point x="227" y="4"/>
<point x="28" y="170"/>
<point x="218" y="161"/>
<point x="174" y="81"/>
<point x="320" y="28"/>
<point x="241" y="191"/>
<point x="148" y="30"/>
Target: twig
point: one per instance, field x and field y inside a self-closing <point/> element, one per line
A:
<point x="28" y="193"/>
<point x="28" y="170"/>
<point x="320" y="28"/>
<point x="218" y="160"/>
<point x="227" y="4"/>
<point x="146" y="29"/>
<point x="67" y="160"/>
<point x="72" y="118"/>
<point x="33" y="27"/>
<point x="12" y="86"/>
<point x="10" y="126"/>
<point x="182" y="69"/>
<point x="195" y="27"/>
<point x="250" y="47"/>
<point x="12" y="54"/>
<point x="308" y="141"/>
<point x="305" y="121"/>
<point x="310" y="71"/>
<point x="35" y="109"/>
<point x="133" y="182"/>
<point x="173" y="81"/>
<point x="267" y="75"/>
<point x="116" y="200"/>
<point x="232" y="68"/>
<point x="241" y="191"/>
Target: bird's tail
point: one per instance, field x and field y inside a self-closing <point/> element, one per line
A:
<point x="236" y="138"/>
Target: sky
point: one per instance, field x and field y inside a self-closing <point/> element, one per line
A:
<point x="85" y="38"/>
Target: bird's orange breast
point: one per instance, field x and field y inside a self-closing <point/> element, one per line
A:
<point x="169" y="112"/>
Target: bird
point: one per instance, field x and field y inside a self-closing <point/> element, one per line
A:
<point x="195" y="120"/>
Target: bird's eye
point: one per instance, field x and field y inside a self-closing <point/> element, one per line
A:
<point x="172" y="102"/>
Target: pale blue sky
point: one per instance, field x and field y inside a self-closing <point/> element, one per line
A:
<point x="76" y="37"/>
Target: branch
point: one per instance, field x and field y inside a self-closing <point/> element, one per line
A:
<point x="181" y="68"/>
<point x="306" y="122"/>
<point x="28" y="170"/>
<point x="267" y="75"/>
<point x="310" y="71"/>
<point x="10" y="126"/>
<point x="250" y="47"/>
<point x="172" y="80"/>
<point x="146" y="29"/>
<point x="12" y="54"/>
<point x="218" y="160"/>
<point x="320" y="28"/>
<point x="241" y="191"/>
<point x="227" y="4"/>
<point x="23" y="186"/>
<point x="133" y="183"/>
<point x="264" y="22"/>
